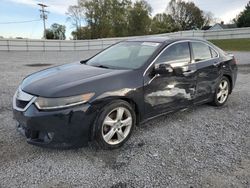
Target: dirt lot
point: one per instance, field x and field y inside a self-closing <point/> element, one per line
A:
<point x="201" y="147"/>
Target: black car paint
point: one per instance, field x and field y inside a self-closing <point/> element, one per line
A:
<point x="73" y="126"/>
<point x="163" y="92"/>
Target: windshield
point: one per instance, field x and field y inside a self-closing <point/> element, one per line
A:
<point x="124" y="55"/>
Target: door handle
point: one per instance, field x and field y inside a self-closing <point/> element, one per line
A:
<point x="188" y="72"/>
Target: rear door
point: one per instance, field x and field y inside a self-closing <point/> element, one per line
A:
<point x="208" y="70"/>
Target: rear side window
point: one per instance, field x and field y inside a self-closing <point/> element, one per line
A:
<point x="177" y="53"/>
<point x="214" y="53"/>
<point x="201" y="51"/>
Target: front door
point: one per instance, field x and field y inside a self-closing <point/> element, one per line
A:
<point x="174" y="90"/>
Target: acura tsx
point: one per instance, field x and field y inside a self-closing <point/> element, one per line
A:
<point x="101" y="99"/>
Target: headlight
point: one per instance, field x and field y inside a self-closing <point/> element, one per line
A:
<point x="57" y="103"/>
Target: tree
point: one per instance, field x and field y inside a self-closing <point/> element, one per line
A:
<point x="97" y="13"/>
<point x="139" y="18"/>
<point x="186" y="15"/>
<point x="162" y="23"/>
<point x="106" y="18"/>
<point x="110" y="18"/>
<point x="56" y="31"/>
<point x="120" y="17"/>
<point x="243" y="19"/>
<point x="75" y="16"/>
<point x="208" y="18"/>
<point x="49" y="34"/>
<point x="81" y="33"/>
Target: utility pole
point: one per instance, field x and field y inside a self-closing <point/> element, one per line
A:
<point x="43" y="16"/>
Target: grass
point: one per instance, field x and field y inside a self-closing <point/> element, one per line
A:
<point x="233" y="44"/>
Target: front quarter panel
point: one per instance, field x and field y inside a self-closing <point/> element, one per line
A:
<point x="127" y="86"/>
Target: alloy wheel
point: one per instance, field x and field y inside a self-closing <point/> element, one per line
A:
<point x="223" y="91"/>
<point x="117" y="126"/>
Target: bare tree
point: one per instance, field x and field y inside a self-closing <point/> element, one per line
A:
<point x="208" y="18"/>
<point x="75" y="16"/>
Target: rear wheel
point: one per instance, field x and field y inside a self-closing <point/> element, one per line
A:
<point x="222" y="92"/>
<point x="114" y="125"/>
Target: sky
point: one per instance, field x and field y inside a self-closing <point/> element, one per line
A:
<point x="28" y="10"/>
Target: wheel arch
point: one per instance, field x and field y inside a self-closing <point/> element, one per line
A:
<point x="231" y="82"/>
<point x="105" y="101"/>
<point x="135" y="107"/>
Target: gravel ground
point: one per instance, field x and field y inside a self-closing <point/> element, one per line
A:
<point x="203" y="146"/>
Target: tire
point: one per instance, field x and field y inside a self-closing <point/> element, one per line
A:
<point x="222" y="92"/>
<point x="114" y="125"/>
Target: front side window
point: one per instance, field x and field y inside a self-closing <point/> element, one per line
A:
<point x="201" y="51"/>
<point x="177" y="54"/>
<point x="125" y="55"/>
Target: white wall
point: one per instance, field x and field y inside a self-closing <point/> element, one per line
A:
<point x="98" y="44"/>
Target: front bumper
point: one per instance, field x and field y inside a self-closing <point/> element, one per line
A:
<point x="59" y="129"/>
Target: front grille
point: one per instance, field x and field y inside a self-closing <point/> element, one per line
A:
<point x="21" y="104"/>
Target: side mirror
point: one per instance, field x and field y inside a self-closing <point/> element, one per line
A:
<point x="163" y="69"/>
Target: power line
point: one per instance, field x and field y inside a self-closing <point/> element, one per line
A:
<point x="20" y="22"/>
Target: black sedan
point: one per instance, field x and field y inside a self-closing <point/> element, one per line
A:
<point x="101" y="99"/>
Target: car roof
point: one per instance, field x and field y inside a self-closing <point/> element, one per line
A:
<point x="163" y="39"/>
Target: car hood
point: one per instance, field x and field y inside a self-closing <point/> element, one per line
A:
<point x="68" y="80"/>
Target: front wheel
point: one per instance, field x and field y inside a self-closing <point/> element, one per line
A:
<point x="114" y="124"/>
<point x="222" y="92"/>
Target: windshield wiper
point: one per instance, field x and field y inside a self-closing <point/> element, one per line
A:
<point x="84" y="61"/>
